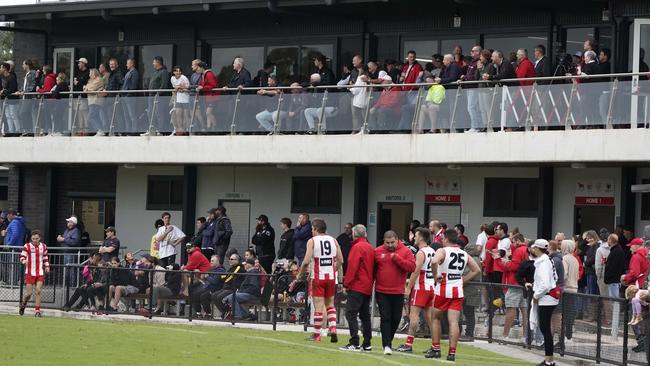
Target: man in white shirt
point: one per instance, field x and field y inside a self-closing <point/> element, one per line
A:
<point x="169" y="237"/>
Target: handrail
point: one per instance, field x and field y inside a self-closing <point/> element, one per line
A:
<point x="329" y="87"/>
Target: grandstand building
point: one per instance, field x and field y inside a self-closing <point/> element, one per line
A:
<point x="540" y="180"/>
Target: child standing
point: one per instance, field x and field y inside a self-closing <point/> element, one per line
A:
<point x="34" y="258"/>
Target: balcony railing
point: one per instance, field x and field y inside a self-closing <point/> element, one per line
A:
<point x="597" y="101"/>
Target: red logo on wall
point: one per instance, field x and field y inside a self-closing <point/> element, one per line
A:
<point x="442" y="198"/>
<point x="595" y="201"/>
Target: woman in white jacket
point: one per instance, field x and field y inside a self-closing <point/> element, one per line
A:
<point x="359" y="101"/>
<point x="545" y="281"/>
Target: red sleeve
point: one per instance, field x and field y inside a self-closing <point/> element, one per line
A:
<point x="517" y="257"/>
<point x="488" y="264"/>
<point x="48" y="84"/>
<point x="405" y="260"/>
<point x="210" y="81"/>
<point x="46" y="259"/>
<point x="353" y="266"/>
<point x="634" y="272"/>
<point x="192" y="263"/>
<point x="24" y="254"/>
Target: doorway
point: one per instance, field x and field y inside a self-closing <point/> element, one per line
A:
<point x="594" y="218"/>
<point x="396" y="217"/>
<point x="95" y="215"/>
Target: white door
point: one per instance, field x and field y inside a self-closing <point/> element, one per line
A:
<point x="240" y="217"/>
<point x="449" y="214"/>
<point x="639" y="103"/>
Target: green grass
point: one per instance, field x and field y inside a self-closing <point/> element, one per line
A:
<point x="61" y="341"/>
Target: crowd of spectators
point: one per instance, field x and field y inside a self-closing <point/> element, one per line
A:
<point x="365" y="93"/>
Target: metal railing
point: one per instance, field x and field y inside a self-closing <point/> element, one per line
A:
<point x="585" y="326"/>
<point x="562" y="102"/>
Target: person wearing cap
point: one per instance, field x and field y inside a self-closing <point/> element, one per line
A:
<point x="71" y="236"/>
<point x="543" y="303"/>
<point x="208" y="233"/>
<point x="264" y="241"/>
<point x="81" y="78"/>
<point x="637" y="272"/>
<point x="249" y="291"/>
<point x="111" y="246"/>
<point x="388" y="106"/>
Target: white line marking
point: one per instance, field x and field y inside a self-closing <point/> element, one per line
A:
<point x="176" y="329"/>
<point x="378" y="358"/>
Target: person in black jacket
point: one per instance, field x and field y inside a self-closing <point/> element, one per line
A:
<point x="286" y="240"/>
<point x="230" y="283"/>
<point x="614" y="269"/>
<point x="542" y="64"/>
<point x="503" y="69"/>
<point x="9" y="88"/>
<point x="345" y="242"/>
<point x="264" y="241"/>
<point x="249" y="291"/>
<point x="223" y="232"/>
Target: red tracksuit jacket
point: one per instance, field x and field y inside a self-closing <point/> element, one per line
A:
<point x="391" y="271"/>
<point x="359" y="275"/>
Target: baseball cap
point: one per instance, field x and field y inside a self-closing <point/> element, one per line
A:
<point x="72" y="220"/>
<point x="540" y="243"/>
<point x="635" y="241"/>
<point x="110" y="228"/>
<point x="84" y="60"/>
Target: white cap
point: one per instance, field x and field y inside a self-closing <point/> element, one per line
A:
<point x="72" y="220"/>
<point x="540" y="243"/>
<point x="84" y="60"/>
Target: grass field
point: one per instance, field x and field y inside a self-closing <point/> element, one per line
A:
<point x="61" y="341"/>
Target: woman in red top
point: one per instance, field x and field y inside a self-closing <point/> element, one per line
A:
<point x="207" y="87"/>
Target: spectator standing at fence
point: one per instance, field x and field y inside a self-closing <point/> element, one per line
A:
<point x="589" y="259"/>
<point x="286" y="246"/>
<point x="241" y="77"/>
<point x="169" y="237"/>
<point x="301" y="236"/>
<point x="131" y="82"/>
<point x="360" y="100"/>
<point x="514" y="297"/>
<point x="602" y="253"/>
<point x="180" y="101"/>
<point x="503" y="68"/>
<point x="460" y="230"/>
<point x="637" y="272"/>
<point x="36" y="261"/>
<point x="10" y="99"/>
<point x="359" y="278"/>
<point x="207" y="87"/>
<point x="81" y="78"/>
<point x="154" y="249"/>
<point x="571" y="269"/>
<point x="473" y="295"/>
<point x="614" y="270"/>
<point x="393" y="261"/>
<point x="27" y="112"/>
<point x="16" y="230"/>
<point x="223" y="231"/>
<point x="95" y="101"/>
<point x="543" y="303"/>
<point x="525" y="68"/>
<point x="208" y="234"/>
<point x="111" y="246"/>
<point x="411" y="71"/>
<point x="264" y="241"/>
<point x="473" y="107"/>
<point x="3" y="226"/>
<point x="542" y="63"/>
<point x="71" y="238"/>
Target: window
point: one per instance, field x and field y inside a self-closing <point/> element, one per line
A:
<point x="645" y="203"/>
<point x="4" y="193"/>
<point x="510" y="197"/>
<point x="512" y="44"/>
<point x="316" y="195"/>
<point x="165" y="192"/>
<point x="448" y="45"/>
<point x="576" y="37"/>
<point x="295" y="63"/>
<point x="145" y="60"/>
<point x="423" y="49"/>
<point x="121" y="53"/>
<point x="222" y="61"/>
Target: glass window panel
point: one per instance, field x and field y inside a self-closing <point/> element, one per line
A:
<point x="305" y="193"/>
<point x="512" y="44"/>
<point x="605" y="38"/>
<point x="121" y="53"/>
<point x="308" y="52"/>
<point x="576" y="37"/>
<point x="88" y="52"/>
<point x="287" y="61"/>
<point x="222" y="61"/>
<point x="448" y="45"/>
<point x="145" y="60"/>
<point x="329" y="194"/>
<point x="423" y="49"/>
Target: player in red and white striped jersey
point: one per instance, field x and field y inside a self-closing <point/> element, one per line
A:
<point x="448" y="267"/>
<point x="420" y="287"/>
<point x="35" y="259"/>
<point x="325" y="253"/>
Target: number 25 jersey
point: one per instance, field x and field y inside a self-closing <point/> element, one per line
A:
<point x="324" y="258"/>
<point x="452" y="269"/>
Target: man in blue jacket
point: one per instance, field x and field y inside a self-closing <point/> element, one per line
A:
<point x="71" y="238"/>
<point x="16" y="230"/>
<point x="131" y="82"/>
<point x="301" y="236"/>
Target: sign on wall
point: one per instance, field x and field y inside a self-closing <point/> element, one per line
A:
<point x="596" y="192"/>
<point x="442" y="190"/>
<point x="234" y="196"/>
<point x="396" y="198"/>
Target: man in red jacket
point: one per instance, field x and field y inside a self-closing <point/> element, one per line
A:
<point x="514" y="296"/>
<point x="525" y="68"/>
<point x="393" y="261"/>
<point x="638" y="269"/>
<point x="195" y="262"/>
<point x="359" y="278"/>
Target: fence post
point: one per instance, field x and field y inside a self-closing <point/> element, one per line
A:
<point x="490" y="314"/>
<point x="194" y="106"/>
<point x="612" y="99"/>
<point x="452" y="119"/>
<point x="150" y="295"/>
<point x="529" y="334"/>
<point x="233" y="129"/>
<point x="75" y="114"/>
<point x="232" y="307"/>
<point x="22" y="281"/>
<point x="38" y="115"/>
<point x="116" y="102"/>
<point x="626" y="319"/>
<point x="276" y="120"/>
<point x="307" y="308"/>
<point x="152" y="117"/>
<point x="2" y="117"/>
<point x="66" y="283"/>
<point x="189" y="298"/>
<point x="599" y="329"/>
<point x="488" y="125"/>
<point x="319" y="127"/>
<point x="415" y="124"/>
<point x="275" y="300"/>
<point x="574" y="88"/>
<point x="529" y="115"/>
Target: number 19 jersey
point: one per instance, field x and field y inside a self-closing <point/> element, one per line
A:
<point x="452" y="269"/>
<point x="324" y="258"/>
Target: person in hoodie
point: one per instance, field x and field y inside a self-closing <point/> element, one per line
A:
<point x="393" y="261"/>
<point x="601" y="260"/>
<point x="637" y="272"/>
<point x="301" y="236"/>
<point x="286" y="240"/>
<point x="16" y="230"/>
<point x="358" y="282"/>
